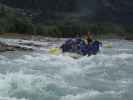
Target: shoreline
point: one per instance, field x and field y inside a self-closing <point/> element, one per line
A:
<point x="41" y="37"/>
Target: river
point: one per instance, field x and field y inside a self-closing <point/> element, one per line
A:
<point x="37" y="75"/>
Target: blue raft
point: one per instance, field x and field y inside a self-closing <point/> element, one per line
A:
<point x="80" y="47"/>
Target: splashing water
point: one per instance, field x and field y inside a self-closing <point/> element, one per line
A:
<point x="41" y="76"/>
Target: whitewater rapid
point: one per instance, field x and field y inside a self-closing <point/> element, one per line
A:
<point x="41" y="76"/>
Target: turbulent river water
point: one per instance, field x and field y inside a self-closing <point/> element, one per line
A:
<point x="38" y="75"/>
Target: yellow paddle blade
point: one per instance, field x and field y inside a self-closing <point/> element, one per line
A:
<point x="108" y="45"/>
<point x="55" y="51"/>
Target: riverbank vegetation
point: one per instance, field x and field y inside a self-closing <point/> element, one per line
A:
<point x="12" y="21"/>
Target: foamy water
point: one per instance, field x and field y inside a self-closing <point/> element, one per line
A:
<point x="41" y="76"/>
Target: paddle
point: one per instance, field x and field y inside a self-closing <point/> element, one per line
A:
<point x="109" y="45"/>
<point x="55" y="51"/>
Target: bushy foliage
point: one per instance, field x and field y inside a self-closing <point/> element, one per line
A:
<point x="11" y="21"/>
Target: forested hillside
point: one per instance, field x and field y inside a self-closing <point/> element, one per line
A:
<point x="66" y="16"/>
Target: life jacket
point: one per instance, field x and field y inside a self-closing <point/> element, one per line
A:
<point x="95" y="46"/>
<point x="89" y="49"/>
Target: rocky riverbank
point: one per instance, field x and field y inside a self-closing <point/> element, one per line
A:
<point x="8" y="47"/>
<point x="22" y="42"/>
